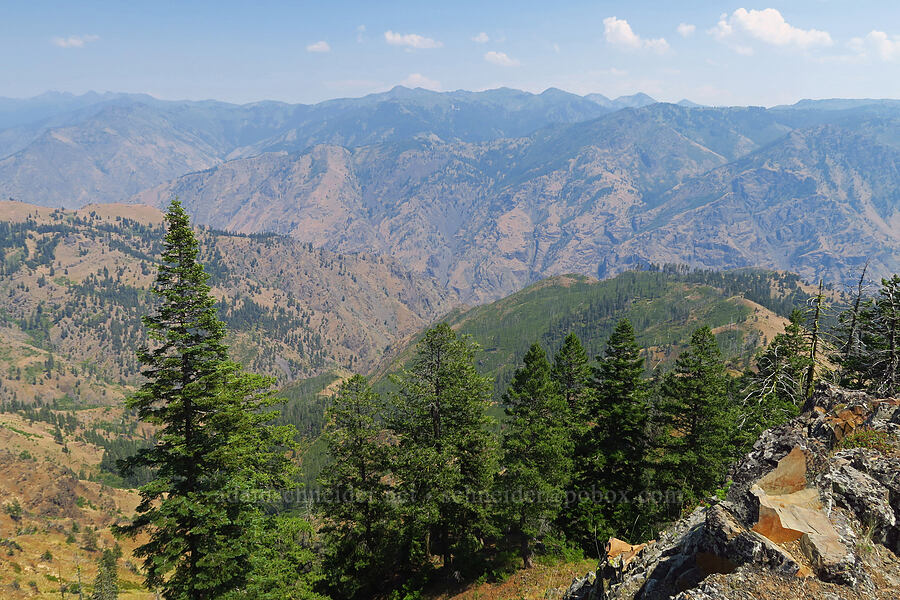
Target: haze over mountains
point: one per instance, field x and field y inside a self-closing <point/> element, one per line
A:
<point x="488" y="191"/>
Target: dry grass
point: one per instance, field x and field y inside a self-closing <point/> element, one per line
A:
<point x="541" y="581"/>
<point x="45" y="544"/>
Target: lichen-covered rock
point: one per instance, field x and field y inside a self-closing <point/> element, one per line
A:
<point x="581" y="588"/>
<point x="800" y="518"/>
<point x="864" y="496"/>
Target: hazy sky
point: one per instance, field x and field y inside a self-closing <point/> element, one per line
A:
<point x="709" y="52"/>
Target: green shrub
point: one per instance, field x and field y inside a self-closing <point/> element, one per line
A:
<point x="866" y="437"/>
<point x="13" y="509"/>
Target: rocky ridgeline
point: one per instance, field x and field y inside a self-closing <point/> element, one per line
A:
<point x="806" y="516"/>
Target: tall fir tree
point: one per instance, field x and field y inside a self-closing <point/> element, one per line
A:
<point x="610" y="452"/>
<point x="572" y="373"/>
<point x="358" y="514"/>
<point x="621" y="434"/>
<point x="445" y="455"/>
<point x="216" y="454"/>
<point x="537" y="451"/>
<point x="697" y="422"/>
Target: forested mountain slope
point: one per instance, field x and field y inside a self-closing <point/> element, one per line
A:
<point x="745" y="308"/>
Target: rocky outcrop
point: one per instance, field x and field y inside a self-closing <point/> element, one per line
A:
<point x="806" y="516"/>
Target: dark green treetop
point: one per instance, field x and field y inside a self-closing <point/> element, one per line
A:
<point x="537" y="452"/>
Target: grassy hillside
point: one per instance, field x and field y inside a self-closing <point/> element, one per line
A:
<point x="57" y="508"/>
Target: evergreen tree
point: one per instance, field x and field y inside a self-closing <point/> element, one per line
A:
<point x="283" y="562"/>
<point x="216" y="453"/>
<point x="358" y="512"/>
<point x="537" y="452"/>
<point x="445" y="454"/>
<point x="815" y="335"/>
<point x="106" y="585"/>
<point x="871" y="359"/>
<point x="621" y="408"/>
<point x="572" y="374"/>
<point x="883" y="338"/>
<point x="611" y="449"/>
<point x="697" y="421"/>
<point x="775" y="393"/>
<point x="619" y="441"/>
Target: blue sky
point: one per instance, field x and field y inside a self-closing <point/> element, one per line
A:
<point x="710" y="52"/>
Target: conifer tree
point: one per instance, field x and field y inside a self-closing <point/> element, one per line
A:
<point x="622" y="414"/>
<point x="851" y="356"/>
<point x="871" y="356"/>
<point x="697" y="421"/>
<point x="216" y="452"/>
<point x="536" y="452"/>
<point x="572" y="374"/>
<point x="445" y="454"/>
<point x="610" y="452"/>
<point x="886" y="323"/>
<point x="283" y="563"/>
<point x="815" y="335"/>
<point x="359" y="516"/>
<point x="106" y="585"/>
<point x="882" y="338"/>
<point x="776" y="391"/>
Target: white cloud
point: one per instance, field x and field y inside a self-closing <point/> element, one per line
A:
<point x="619" y="33"/>
<point x="481" y="38"/>
<point x="360" y="34"/>
<point x="411" y="40"/>
<point x="500" y="59"/>
<point x="321" y="46"/>
<point x="74" y="41"/>
<point x="879" y="43"/>
<point x="417" y="80"/>
<point x="767" y="25"/>
<point x="686" y="29"/>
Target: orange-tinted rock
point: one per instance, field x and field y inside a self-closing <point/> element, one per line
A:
<point x="788" y="477"/>
<point x="616" y="548"/>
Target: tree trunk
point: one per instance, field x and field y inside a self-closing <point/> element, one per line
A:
<point x="811" y="374"/>
<point x="527" y="556"/>
<point x="854" y="315"/>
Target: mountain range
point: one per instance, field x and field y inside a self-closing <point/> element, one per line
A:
<point x="487" y="192"/>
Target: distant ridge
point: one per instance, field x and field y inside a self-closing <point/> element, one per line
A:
<point x="839" y="103"/>
<point x="633" y="101"/>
